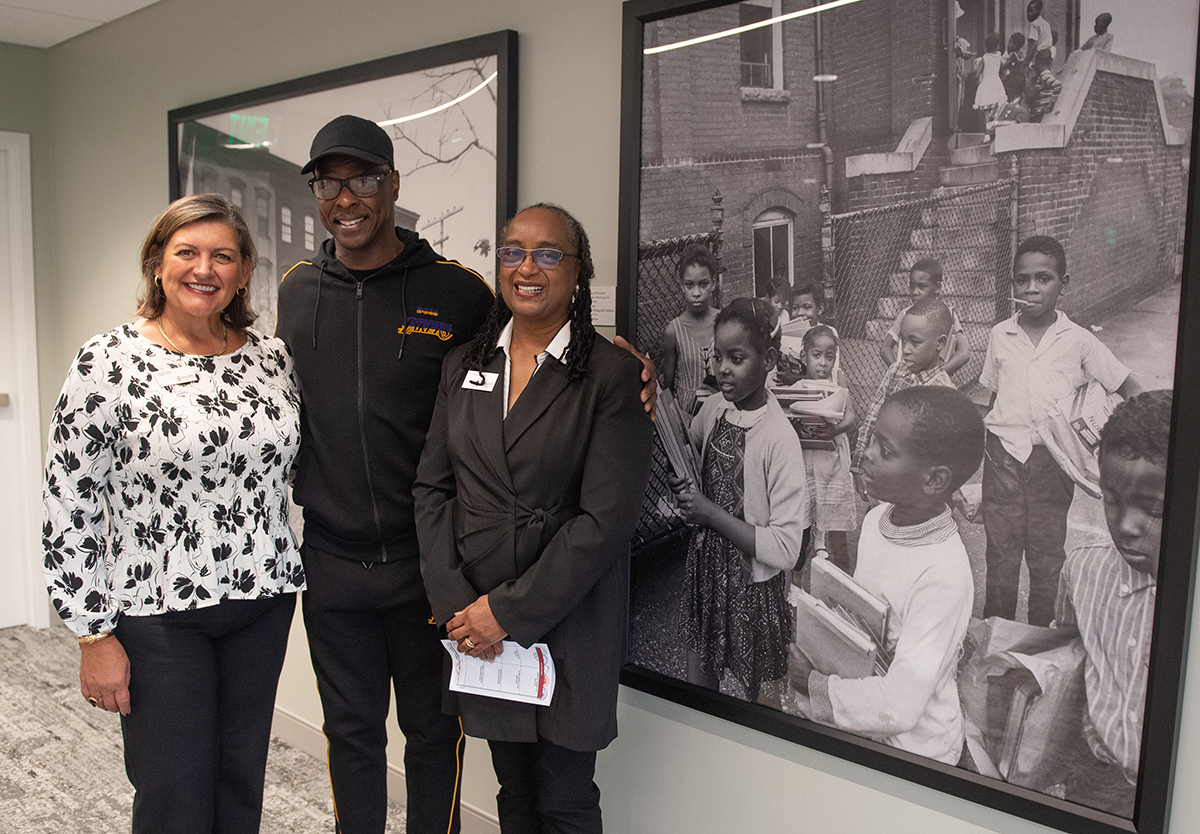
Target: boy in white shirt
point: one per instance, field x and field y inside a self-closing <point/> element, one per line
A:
<point x="927" y="442"/>
<point x="1034" y="359"/>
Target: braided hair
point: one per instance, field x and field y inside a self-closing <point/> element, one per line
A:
<point x="482" y="348"/>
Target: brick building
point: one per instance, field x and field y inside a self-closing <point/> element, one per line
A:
<point x="735" y="115"/>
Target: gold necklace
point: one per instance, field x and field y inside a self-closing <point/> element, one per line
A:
<point x="178" y="349"/>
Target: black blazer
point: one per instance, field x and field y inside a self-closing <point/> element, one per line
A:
<point x="537" y="510"/>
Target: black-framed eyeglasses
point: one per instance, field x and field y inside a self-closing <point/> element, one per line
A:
<point x="362" y="185"/>
<point x="546" y="258"/>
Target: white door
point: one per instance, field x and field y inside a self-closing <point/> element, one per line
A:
<point x="22" y="592"/>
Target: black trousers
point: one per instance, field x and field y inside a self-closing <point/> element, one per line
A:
<point x="545" y="788"/>
<point x="202" y="694"/>
<point x="370" y="629"/>
<point x="1025" y="508"/>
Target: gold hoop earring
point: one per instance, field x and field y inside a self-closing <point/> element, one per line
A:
<point x="158" y="280"/>
<point x="243" y="291"/>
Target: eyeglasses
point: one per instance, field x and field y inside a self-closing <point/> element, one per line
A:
<point x="363" y="185"/>
<point x="514" y="256"/>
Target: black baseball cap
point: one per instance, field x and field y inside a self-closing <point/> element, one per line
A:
<point x="351" y="136"/>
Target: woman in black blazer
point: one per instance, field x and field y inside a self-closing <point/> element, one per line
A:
<point x="527" y="495"/>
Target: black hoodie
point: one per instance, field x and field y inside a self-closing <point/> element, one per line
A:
<point x="368" y="348"/>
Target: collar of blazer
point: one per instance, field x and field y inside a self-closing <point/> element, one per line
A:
<point x="498" y="434"/>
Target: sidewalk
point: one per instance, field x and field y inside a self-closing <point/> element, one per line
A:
<point x="1144" y="336"/>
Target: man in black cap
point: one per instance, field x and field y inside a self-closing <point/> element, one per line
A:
<point x="368" y="321"/>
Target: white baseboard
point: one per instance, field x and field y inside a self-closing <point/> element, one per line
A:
<point x="307" y="736"/>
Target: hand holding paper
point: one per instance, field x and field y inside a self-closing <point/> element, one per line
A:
<point x="518" y="674"/>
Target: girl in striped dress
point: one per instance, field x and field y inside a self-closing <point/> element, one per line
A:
<point x="687" y="338"/>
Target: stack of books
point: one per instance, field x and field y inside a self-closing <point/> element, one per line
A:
<point x="672" y="427"/>
<point x="841" y="627"/>
<point x="811" y="401"/>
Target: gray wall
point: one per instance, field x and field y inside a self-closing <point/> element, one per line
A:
<point x="97" y="105"/>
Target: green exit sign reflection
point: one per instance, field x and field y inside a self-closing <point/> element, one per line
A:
<point x="249" y="129"/>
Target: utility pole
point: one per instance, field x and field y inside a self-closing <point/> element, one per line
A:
<point x="440" y="222"/>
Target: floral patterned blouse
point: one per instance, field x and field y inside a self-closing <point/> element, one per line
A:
<point x="166" y="479"/>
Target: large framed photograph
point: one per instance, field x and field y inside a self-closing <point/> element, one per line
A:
<point x="452" y="113"/>
<point x="991" y="196"/>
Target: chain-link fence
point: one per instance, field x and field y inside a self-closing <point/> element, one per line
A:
<point x="969" y="231"/>
<point x="660" y="299"/>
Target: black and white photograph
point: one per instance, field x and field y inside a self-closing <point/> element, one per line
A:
<point x="911" y="272"/>
<point x="446" y="112"/>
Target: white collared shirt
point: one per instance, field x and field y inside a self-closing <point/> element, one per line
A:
<point x="557" y="349"/>
<point x="1030" y="379"/>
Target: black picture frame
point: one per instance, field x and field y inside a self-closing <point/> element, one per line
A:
<point x="1177" y="571"/>
<point x="277" y="123"/>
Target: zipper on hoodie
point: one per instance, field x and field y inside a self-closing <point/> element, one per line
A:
<point x="362" y="426"/>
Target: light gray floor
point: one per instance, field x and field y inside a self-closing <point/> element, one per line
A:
<point x="61" y="768"/>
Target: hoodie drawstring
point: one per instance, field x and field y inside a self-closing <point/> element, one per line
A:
<point x="403" y="313"/>
<point x="317" y="306"/>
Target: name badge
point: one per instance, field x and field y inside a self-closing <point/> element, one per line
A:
<point x="173" y="376"/>
<point x="480" y="381"/>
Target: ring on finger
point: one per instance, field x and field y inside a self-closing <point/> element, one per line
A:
<point x="469" y="644"/>
<point x="93" y="702"/>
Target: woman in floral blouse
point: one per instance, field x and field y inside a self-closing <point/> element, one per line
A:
<point x="167" y="546"/>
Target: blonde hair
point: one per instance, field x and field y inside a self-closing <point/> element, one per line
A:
<point x="185" y="211"/>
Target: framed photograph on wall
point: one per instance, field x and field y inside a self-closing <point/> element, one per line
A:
<point x="451" y="111"/>
<point x="986" y="195"/>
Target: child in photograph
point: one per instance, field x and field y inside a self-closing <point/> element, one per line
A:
<point x="687" y="338"/>
<point x="1034" y="359"/>
<point x="750" y="515"/>
<point x="831" y="490"/>
<point x="1103" y="39"/>
<point x="808" y="303"/>
<point x="925" y="281"/>
<point x="923" y="334"/>
<point x="1012" y="70"/>
<point x="780" y="294"/>
<point x="1107" y="593"/>
<point x="1043" y="92"/>
<point x="990" y="96"/>
<point x="927" y="442"/>
<point x="1039" y="37"/>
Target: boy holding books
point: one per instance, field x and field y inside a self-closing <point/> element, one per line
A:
<point x="1034" y="359"/>
<point x="1107" y="593"/>
<point x="927" y="442"/>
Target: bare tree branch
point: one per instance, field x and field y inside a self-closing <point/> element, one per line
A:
<point x="431" y="138"/>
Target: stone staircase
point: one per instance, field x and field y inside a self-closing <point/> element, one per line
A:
<point x="971" y="161"/>
<point x="962" y="234"/>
